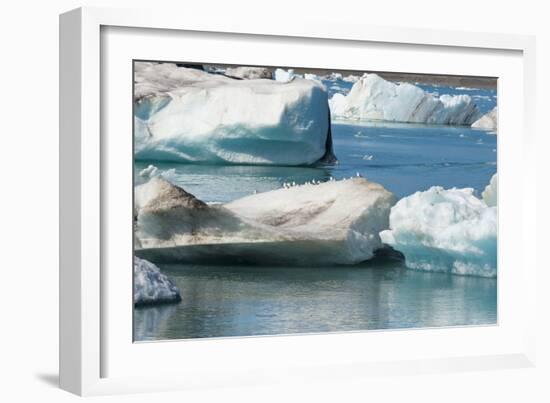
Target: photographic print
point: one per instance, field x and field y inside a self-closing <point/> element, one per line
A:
<point x="285" y="200"/>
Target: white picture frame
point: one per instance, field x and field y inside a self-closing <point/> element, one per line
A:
<point x="96" y="356"/>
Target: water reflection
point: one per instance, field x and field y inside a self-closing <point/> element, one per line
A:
<point x="151" y="320"/>
<point x="247" y="300"/>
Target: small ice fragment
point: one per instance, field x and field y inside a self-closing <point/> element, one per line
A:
<point x="149" y="172"/>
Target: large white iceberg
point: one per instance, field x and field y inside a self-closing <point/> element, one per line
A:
<point x="445" y="231"/>
<point x="373" y="98"/>
<point x="487" y="121"/>
<point x="151" y="286"/>
<point x="188" y="115"/>
<point x="335" y="222"/>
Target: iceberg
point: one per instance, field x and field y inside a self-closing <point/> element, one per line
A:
<point x="333" y="76"/>
<point x="151" y="171"/>
<point x="373" y="98"/>
<point x="334" y="222"/>
<point x="490" y="193"/>
<point x="313" y="77"/>
<point x="151" y="287"/>
<point x="284" y="76"/>
<point x="443" y="230"/>
<point x="248" y="73"/>
<point x="351" y="78"/>
<point x="189" y="115"/>
<point x="487" y="121"/>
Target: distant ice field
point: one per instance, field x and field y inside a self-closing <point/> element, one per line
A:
<point x="485" y="99"/>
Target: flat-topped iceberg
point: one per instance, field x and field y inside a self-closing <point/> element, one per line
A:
<point x="445" y="231"/>
<point x="487" y="121"/>
<point x="188" y="115"/>
<point x="335" y="222"/>
<point x="373" y="98"/>
<point x="166" y="215"/>
<point x="151" y="287"/>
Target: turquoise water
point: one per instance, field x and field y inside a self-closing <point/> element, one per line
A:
<point x="404" y="158"/>
<point x="227" y="300"/>
<point x="224" y="301"/>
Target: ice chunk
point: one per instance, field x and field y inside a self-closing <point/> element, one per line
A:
<point x="283" y="76"/>
<point x="248" y="73"/>
<point x="351" y="78"/>
<point x="322" y="223"/>
<point x="487" y="121"/>
<point x="313" y="77"/>
<point x="151" y="286"/>
<point x="149" y="172"/>
<point x="188" y="115"/>
<point x="445" y="231"/>
<point x="491" y="192"/>
<point x="152" y="171"/>
<point x="373" y="98"/>
<point x="333" y="76"/>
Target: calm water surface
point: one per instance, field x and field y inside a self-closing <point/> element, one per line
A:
<point x="404" y="158"/>
<point x="223" y="301"/>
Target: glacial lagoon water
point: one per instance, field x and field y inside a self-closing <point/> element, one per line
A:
<point x="226" y="300"/>
<point x="405" y="158"/>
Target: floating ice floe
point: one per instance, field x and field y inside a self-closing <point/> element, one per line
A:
<point x="313" y="77"/>
<point x="351" y="78"/>
<point x="284" y="76"/>
<point x="467" y="89"/>
<point x="445" y="230"/>
<point x="248" y="73"/>
<point x="152" y="171"/>
<point x="188" y="115"/>
<point x="335" y="222"/>
<point x="373" y="98"/>
<point x="151" y="286"/>
<point x="487" y="121"/>
<point x="490" y="193"/>
<point x="333" y="76"/>
<point x="148" y="172"/>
